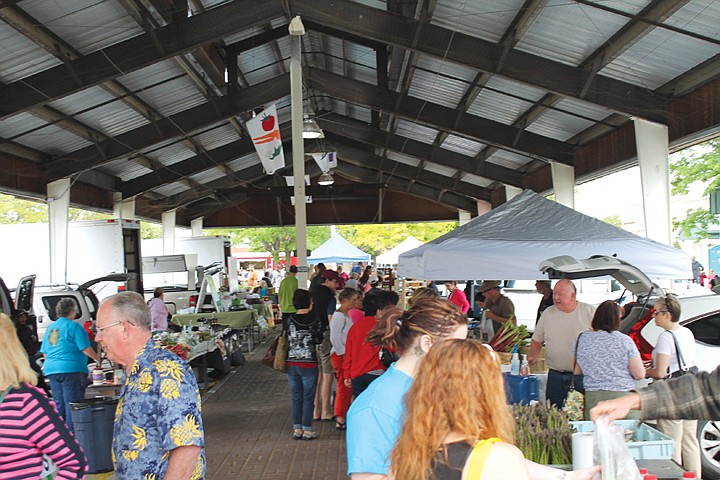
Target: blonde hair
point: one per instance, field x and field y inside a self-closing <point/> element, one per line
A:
<point x="458" y="388"/>
<point x="14" y="364"/>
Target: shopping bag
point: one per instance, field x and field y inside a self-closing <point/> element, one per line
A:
<point x="574" y="405"/>
<point x="269" y="358"/>
<point x="281" y="353"/>
<point x="612" y="453"/>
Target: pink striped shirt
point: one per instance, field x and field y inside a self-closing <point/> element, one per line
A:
<point x="30" y="427"/>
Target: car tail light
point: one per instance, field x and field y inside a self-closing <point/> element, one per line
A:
<point x="193" y="300"/>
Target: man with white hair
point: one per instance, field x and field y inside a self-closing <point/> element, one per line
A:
<point x="158" y="431"/>
<point x="558" y="328"/>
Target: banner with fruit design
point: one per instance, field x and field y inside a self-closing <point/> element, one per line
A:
<point x="265" y="133"/>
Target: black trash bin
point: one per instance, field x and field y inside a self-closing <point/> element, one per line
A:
<point x="93" y="420"/>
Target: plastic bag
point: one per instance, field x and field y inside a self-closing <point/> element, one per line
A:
<point x="612" y="453"/>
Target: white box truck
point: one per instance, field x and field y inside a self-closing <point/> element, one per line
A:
<point x="95" y="249"/>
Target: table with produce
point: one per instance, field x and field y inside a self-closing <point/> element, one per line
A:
<point x="627" y="449"/>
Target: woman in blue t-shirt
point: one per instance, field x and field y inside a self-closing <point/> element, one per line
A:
<point x="66" y="347"/>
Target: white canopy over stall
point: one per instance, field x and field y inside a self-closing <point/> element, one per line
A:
<point x="510" y="241"/>
<point x="338" y="250"/>
<point x="391" y="256"/>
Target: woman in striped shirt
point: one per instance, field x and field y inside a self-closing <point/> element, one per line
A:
<point x="31" y="431"/>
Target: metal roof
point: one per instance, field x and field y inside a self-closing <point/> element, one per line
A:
<point x="437" y="103"/>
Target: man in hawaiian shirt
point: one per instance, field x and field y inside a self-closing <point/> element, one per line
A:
<point x="158" y="432"/>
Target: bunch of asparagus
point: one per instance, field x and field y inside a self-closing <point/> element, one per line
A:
<point x="543" y="434"/>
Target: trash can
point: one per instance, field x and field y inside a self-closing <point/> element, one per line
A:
<point x="93" y="420"/>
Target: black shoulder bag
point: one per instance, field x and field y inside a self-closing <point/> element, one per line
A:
<point x="682" y="369"/>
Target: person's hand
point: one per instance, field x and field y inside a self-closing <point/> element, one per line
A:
<point x="490" y="315"/>
<point x="615" y="409"/>
<point x="584" y="473"/>
<point x="532" y="360"/>
<point x="348" y="383"/>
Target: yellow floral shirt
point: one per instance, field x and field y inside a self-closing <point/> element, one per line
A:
<point x="158" y="411"/>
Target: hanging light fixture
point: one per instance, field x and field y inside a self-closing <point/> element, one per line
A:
<point x="311" y="128"/>
<point x="326" y="179"/>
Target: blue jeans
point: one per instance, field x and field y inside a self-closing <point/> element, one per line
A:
<point x="66" y="388"/>
<point x="303" y="383"/>
<point x="558" y="386"/>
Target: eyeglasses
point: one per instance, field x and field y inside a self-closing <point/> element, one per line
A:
<point x="655" y="313"/>
<point x="102" y="329"/>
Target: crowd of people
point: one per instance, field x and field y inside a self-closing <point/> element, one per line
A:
<point x="398" y="376"/>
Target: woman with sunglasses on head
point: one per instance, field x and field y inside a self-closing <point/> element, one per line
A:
<point x="665" y="362"/>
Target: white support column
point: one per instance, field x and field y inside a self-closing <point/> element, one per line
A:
<point x="58" y="198"/>
<point x="297" y="29"/>
<point x="168" y="232"/>
<point x="652" y="148"/>
<point x="563" y="177"/>
<point x="124" y="209"/>
<point x="483" y="207"/>
<point x="196" y="227"/>
<point x="463" y="217"/>
<point x="511" y="192"/>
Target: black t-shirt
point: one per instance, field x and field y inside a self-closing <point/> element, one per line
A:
<point x="324" y="303"/>
<point x="544" y="304"/>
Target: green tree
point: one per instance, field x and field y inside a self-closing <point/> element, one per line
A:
<point x="697" y="164"/>
<point x="275" y="240"/>
<point x="378" y="238"/>
<point x="17" y="210"/>
<point x="613" y="220"/>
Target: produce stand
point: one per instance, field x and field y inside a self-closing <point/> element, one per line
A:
<point x="244" y="321"/>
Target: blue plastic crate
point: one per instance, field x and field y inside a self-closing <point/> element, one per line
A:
<point x="647" y="443"/>
<point x="522" y="389"/>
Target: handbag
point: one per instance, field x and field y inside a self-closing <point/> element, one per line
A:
<point x="276" y="355"/>
<point x="682" y="369"/>
<point x="574" y="403"/>
<point x="281" y="353"/>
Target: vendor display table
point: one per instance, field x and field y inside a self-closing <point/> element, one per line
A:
<point x="241" y="320"/>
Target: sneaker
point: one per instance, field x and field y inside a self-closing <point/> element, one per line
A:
<point x="310" y="435"/>
<point x="297" y="434"/>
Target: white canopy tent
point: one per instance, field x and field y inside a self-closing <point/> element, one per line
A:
<point x="510" y="241"/>
<point x="391" y="256"/>
<point x="338" y="250"/>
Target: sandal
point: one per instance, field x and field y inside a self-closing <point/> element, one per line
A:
<point x="340" y="425"/>
<point x="331" y="419"/>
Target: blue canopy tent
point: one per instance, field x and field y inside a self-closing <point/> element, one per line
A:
<point x="338" y="250"/>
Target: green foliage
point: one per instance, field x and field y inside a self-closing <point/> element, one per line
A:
<point x="613" y="220"/>
<point x="376" y="239"/>
<point x="150" y="230"/>
<point x="275" y="240"/>
<point x="697" y="164"/>
<point x="16" y="210"/>
<point x="696" y="224"/>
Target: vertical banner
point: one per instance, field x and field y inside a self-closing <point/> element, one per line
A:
<point x="265" y="133"/>
<point x="325" y="160"/>
<point x="652" y="149"/>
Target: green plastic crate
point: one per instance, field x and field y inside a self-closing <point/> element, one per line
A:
<point x="647" y="443"/>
